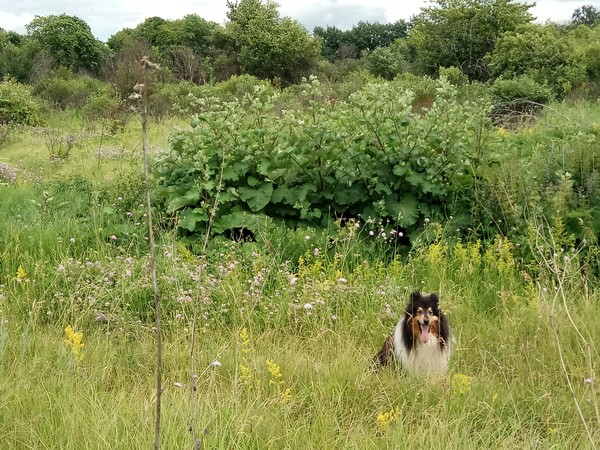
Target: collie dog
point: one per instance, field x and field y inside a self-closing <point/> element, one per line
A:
<point x="421" y="340"/>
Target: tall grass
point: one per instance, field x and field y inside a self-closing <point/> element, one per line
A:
<point x="316" y="304"/>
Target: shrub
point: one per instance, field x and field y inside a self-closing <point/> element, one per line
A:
<point x="370" y="157"/>
<point x="518" y="97"/>
<point x="64" y="90"/>
<point x="239" y="85"/>
<point x="108" y="109"/>
<point x="17" y="106"/>
<point x="540" y="53"/>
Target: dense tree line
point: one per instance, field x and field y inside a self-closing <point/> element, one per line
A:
<point x="485" y="40"/>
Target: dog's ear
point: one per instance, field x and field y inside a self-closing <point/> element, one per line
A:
<point x="415" y="296"/>
<point x="435" y="299"/>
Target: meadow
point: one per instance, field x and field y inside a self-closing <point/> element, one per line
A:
<point x="268" y="342"/>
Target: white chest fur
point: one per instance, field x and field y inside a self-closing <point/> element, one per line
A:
<point x="425" y="359"/>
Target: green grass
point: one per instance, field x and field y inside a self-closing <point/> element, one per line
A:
<point x="517" y="397"/>
<point x="58" y="226"/>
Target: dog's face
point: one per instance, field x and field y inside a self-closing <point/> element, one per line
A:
<point x="423" y="313"/>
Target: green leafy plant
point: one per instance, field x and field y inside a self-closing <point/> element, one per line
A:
<point x="373" y="157"/>
<point x="17" y="105"/>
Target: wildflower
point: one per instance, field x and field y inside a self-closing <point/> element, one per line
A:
<point x="371" y="233"/>
<point x="216" y="363"/>
<point x="342" y="280"/>
<point x="245" y="375"/>
<point x="383" y="235"/>
<point x="308" y="306"/>
<point x="334" y="317"/>
<point x="74" y="340"/>
<point x="245" y="337"/>
<point x="21" y="274"/>
<point x="293" y="281"/>
<point x="307" y="238"/>
<point x="277" y="380"/>
<point x="177" y="384"/>
<point x="461" y="384"/>
<point x="113" y="238"/>
<point x="316" y="252"/>
<point x="589" y="381"/>
<point x="385" y="419"/>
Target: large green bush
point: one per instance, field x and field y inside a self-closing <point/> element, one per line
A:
<point x="373" y="156"/>
<point x="64" y="90"/>
<point x="17" y="105"/>
<point x="540" y="53"/>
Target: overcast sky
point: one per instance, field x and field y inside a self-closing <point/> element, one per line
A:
<point x="106" y="17"/>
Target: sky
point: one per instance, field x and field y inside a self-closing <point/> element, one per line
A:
<point x="106" y="17"/>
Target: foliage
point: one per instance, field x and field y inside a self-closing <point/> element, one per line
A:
<point x="18" y="56"/>
<point x="17" y="105"/>
<point x="586" y="15"/>
<point x="362" y="37"/>
<point x="546" y="175"/>
<point x="387" y="62"/>
<point x="372" y="156"/>
<point x="64" y="90"/>
<point x="585" y="43"/>
<point x="68" y="40"/>
<point x="519" y="95"/>
<point x="267" y="45"/>
<point x="460" y="33"/>
<point x="539" y="52"/>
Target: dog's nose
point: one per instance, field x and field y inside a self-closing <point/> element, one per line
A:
<point x="426" y="321"/>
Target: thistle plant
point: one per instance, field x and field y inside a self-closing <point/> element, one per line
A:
<point x="140" y="94"/>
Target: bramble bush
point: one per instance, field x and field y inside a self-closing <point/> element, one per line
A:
<point x="372" y="156"/>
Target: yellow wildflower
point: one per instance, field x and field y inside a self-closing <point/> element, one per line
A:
<point x="385" y="419"/>
<point x="245" y="375"/>
<point x="275" y="371"/>
<point x="74" y="340"/>
<point x="277" y="380"/>
<point x="461" y="384"/>
<point x="245" y="337"/>
<point x="21" y="274"/>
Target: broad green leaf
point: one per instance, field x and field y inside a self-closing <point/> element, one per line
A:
<point x="405" y="211"/>
<point x="258" y="197"/>
<point x="191" y="217"/>
<point x="190" y="198"/>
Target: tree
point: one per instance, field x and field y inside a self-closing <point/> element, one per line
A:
<point x="68" y="40"/>
<point x="266" y="45"/>
<point x="18" y="55"/>
<point x="586" y="15"/>
<point x="332" y="39"/>
<point x="363" y="37"/>
<point x="367" y="36"/>
<point x="461" y="32"/>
